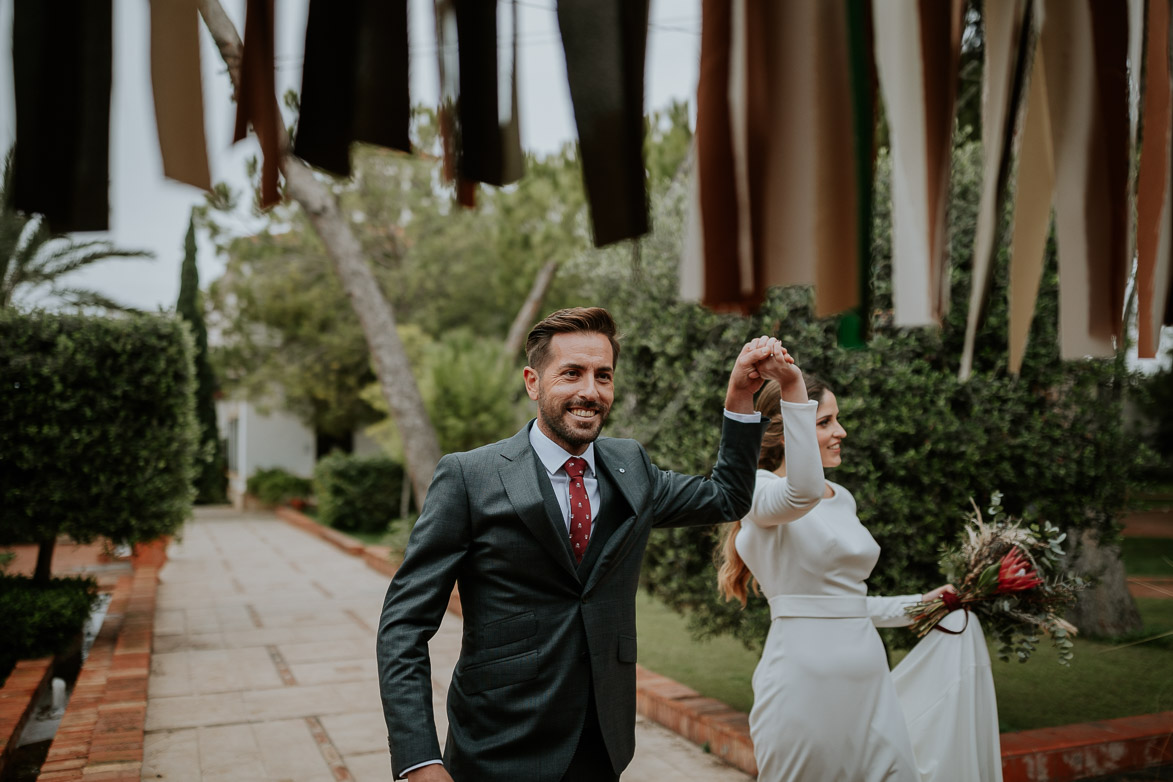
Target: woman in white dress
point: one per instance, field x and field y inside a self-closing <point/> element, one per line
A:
<point x="825" y="704"/>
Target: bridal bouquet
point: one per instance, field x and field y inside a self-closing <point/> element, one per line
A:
<point x="1012" y="577"/>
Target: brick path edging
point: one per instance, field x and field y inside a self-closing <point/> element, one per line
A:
<point x="1061" y="754"/>
<point x="17" y="699"/>
<point x="100" y="738"/>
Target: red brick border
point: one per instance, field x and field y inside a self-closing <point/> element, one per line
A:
<point x="100" y="737"/>
<point x="1090" y="749"/>
<point x="17" y="697"/>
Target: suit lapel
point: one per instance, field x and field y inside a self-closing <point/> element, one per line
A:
<point x="528" y="489"/>
<point x="618" y="522"/>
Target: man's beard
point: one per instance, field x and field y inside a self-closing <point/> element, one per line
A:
<point x="554" y="415"/>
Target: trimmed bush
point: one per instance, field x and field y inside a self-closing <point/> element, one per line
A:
<point x="358" y="494"/>
<point x="275" y="486"/>
<point x="98" y="435"/>
<point x="41" y="620"/>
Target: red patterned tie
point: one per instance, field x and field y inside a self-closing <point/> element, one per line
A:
<point x="580" y="507"/>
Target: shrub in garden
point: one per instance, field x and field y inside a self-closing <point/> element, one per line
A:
<point x="41" y="619"/>
<point x="98" y="435"/>
<point x="358" y="494"/>
<point x="276" y="486"/>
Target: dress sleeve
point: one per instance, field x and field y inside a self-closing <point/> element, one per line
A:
<point x="792" y="497"/>
<point x="889" y="611"/>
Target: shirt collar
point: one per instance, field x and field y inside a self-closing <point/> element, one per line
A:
<point x="554" y="456"/>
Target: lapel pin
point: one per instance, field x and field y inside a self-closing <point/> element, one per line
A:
<point x="622" y="470"/>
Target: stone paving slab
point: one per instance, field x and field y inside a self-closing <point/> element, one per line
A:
<point x="263" y="665"/>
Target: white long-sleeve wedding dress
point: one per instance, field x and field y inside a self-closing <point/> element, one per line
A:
<point x="826" y="707"/>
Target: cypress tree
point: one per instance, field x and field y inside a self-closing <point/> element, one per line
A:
<point x="211" y="481"/>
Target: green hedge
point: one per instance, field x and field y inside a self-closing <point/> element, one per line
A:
<point x="275" y="486"/>
<point x="357" y="494"/>
<point x="98" y="434"/>
<point x="920" y="443"/>
<point x="41" y="620"/>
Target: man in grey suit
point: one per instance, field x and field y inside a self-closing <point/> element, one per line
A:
<point x="546" y="550"/>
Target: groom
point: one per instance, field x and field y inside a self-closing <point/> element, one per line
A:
<point x="544" y="533"/>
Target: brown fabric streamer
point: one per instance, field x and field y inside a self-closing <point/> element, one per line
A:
<point x="1153" y="185"/>
<point x="1109" y="271"/>
<point x="178" y="90"/>
<point x="723" y="284"/>
<point x="257" y="99"/>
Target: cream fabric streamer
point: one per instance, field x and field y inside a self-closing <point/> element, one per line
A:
<point x="1032" y="212"/>
<point x="1004" y="28"/>
<point x="901" y="73"/>
<point x="1071" y="90"/>
<point x="917" y="55"/>
<point x="178" y="91"/>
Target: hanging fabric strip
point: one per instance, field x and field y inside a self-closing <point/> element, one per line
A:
<point x="836" y="185"/>
<point x="941" y="43"/>
<point x="1153" y="186"/>
<point x="1110" y="266"/>
<point x="801" y="166"/>
<point x="1032" y="211"/>
<point x="792" y="203"/>
<point x="61" y="71"/>
<point x="917" y="54"/>
<point x="710" y="269"/>
<point x="747" y="120"/>
<point x="382" y="114"/>
<point x="257" y="99"/>
<point x="855" y="326"/>
<point x="448" y="115"/>
<point x="1007" y="49"/>
<point x="177" y="86"/>
<point x="490" y="145"/>
<point x="327" y="86"/>
<point x="605" y="43"/>
<point x="354" y="84"/>
<point x="1083" y="199"/>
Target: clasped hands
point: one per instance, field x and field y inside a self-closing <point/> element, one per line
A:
<point x="761" y="359"/>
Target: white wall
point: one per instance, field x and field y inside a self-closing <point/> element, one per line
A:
<point x="263" y="440"/>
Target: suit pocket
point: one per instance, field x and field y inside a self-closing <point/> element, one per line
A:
<point x="508" y="630"/>
<point x="627" y="648"/>
<point x="499" y="673"/>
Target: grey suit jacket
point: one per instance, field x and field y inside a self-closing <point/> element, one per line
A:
<point x="539" y="632"/>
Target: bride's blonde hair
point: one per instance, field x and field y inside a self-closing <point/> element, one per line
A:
<point x="733" y="577"/>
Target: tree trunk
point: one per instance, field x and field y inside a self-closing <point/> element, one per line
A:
<point x="515" y="341"/>
<point x="44" y="570"/>
<point x="1106" y="609"/>
<point x="420" y="446"/>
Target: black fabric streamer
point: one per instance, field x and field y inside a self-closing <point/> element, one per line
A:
<point x="354" y="82"/>
<point x="605" y="43"/>
<point x="61" y="54"/>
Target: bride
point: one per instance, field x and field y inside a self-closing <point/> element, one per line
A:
<point x="826" y="706"/>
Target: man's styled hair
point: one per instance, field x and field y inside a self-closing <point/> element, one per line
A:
<point x="595" y="320"/>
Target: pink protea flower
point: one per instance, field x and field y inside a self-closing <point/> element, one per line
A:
<point x="1016" y="574"/>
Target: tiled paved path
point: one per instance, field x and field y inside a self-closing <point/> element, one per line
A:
<point x="263" y="665"/>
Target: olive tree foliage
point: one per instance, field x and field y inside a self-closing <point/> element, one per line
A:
<point x="920" y="443"/>
<point x="287" y="334"/>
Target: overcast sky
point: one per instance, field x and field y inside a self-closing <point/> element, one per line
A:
<point x="150" y="212"/>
